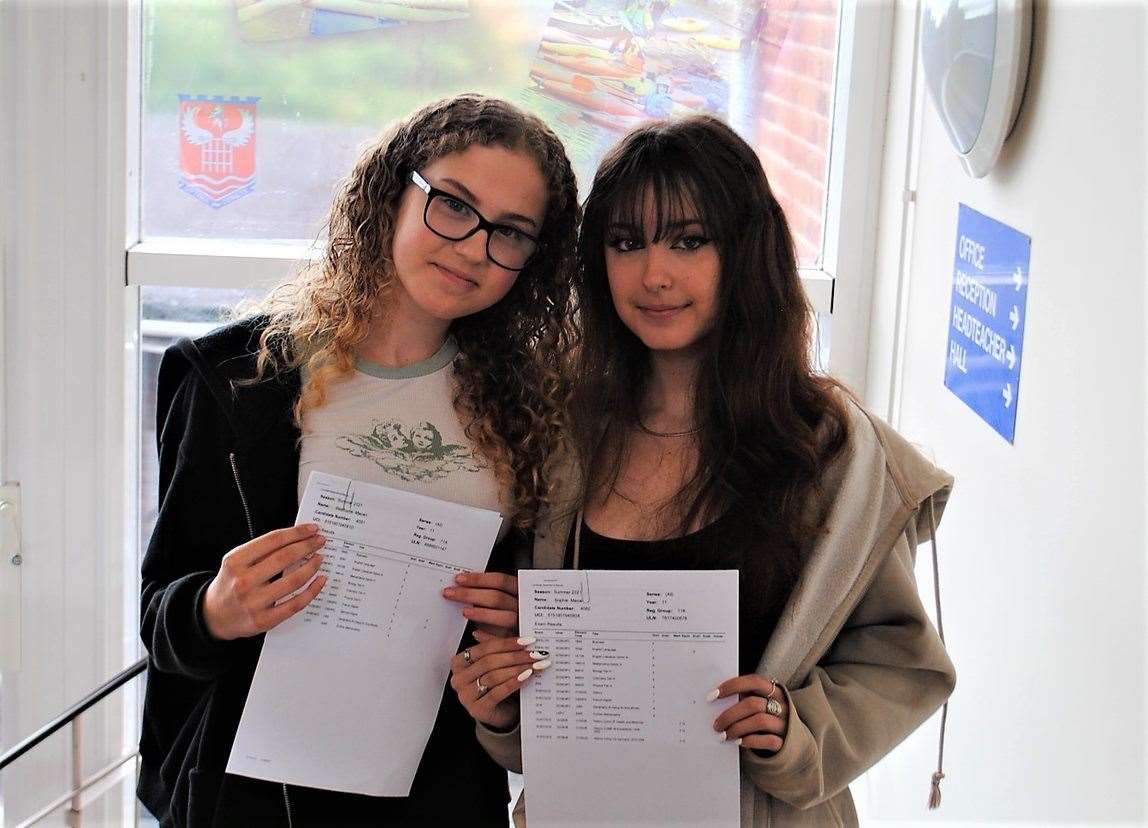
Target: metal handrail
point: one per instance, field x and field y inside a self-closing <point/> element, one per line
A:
<point x="72" y="712"/>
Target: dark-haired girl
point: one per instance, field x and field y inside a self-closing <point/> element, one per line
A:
<point x="707" y="441"/>
<point x="415" y="355"/>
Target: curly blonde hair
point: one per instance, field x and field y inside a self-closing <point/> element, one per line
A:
<point x="513" y="385"/>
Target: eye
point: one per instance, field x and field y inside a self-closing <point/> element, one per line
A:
<point x="624" y="245"/>
<point x="511" y="233"/>
<point x="691" y="243"/>
<point x="454" y="205"/>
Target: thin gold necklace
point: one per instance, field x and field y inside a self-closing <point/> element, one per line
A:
<point x="642" y="426"/>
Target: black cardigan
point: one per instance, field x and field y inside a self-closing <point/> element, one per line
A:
<point x="228" y="471"/>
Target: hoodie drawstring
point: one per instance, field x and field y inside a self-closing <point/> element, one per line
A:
<point x="935" y="791"/>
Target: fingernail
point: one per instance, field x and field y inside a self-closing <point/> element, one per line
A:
<point x="538" y="654"/>
<point x="448" y="591"/>
<point x="721" y="736"/>
<point x="540" y="665"/>
<point x="739" y="741"/>
<point x="712" y="695"/>
<point x="527" y="640"/>
<point x="525" y="674"/>
<point x="311" y="527"/>
<point x="461" y="577"/>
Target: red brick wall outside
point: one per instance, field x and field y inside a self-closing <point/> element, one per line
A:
<point x="797" y="50"/>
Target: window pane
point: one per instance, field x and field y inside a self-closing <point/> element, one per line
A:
<point x="254" y="110"/>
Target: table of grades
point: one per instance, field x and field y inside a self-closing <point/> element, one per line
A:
<point x="623" y="710"/>
<point x="372" y="651"/>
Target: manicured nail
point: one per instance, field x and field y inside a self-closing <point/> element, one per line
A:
<point x="525" y="674"/>
<point x="712" y="695"/>
<point x="739" y="741"/>
<point x="526" y="641"/>
<point x="721" y="736"/>
<point x="538" y="654"/>
<point x="448" y="591"/>
<point x="540" y="665"/>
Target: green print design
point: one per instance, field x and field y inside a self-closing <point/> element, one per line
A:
<point x="416" y="454"/>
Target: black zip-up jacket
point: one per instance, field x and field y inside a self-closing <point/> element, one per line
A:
<point x="228" y="471"/>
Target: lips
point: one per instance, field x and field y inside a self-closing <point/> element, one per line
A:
<point x="456" y="276"/>
<point x="661" y="311"/>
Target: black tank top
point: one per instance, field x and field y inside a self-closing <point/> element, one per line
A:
<point x="720" y="545"/>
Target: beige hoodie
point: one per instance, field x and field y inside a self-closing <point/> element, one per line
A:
<point x="863" y="665"/>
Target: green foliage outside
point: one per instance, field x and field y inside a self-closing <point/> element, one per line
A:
<point x="363" y="78"/>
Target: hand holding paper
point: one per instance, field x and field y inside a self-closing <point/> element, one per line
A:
<point x="243" y="600"/>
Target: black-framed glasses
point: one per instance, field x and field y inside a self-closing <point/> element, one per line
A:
<point x="452" y="218"/>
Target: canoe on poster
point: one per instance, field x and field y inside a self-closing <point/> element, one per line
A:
<point x="727" y="43"/>
<point x="683" y="24"/>
<point x="593" y="66"/>
<point x="586" y="24"/>
<point x="395" y="11"/>
<point x="576" y="50"/>
<point x="617" y="123"/>
<point x="588" y="101"/>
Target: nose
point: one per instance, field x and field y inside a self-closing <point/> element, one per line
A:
<point x="656" y="272"/>
<point x="473" y="248"/>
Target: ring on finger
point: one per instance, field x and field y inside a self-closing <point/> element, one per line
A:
<point x="772" y="689"/>
<point x="482" y="688"/>
<point x="467" y="657"/>
<point x="773" y="707"/>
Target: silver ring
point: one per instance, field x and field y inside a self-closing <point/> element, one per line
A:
<point x="482" y="688"/>
<point x="773" y="707"/>
<point x="466" y="656"/>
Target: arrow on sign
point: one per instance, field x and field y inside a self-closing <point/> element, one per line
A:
<point x="1006" y="392"/>
<point x="1011" y="357"/>
<point x="1014" y="317"/>
<point x="1017" y="278"/>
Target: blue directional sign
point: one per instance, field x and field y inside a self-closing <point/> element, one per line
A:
<point x="986" y="319"/>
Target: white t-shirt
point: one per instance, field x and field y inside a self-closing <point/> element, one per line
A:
<point x="397" y="427"/>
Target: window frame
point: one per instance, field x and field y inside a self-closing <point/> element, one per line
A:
<point x="841" y="287"/>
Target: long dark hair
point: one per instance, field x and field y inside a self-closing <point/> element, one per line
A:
<point x="512" y="393"/>
<point x="769" y="424"/>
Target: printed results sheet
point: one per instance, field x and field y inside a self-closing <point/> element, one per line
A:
<point x="618" y="730"/>
<point x="346" y="692"/>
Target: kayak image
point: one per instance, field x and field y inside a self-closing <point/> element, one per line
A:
<point x="683" y="24"/>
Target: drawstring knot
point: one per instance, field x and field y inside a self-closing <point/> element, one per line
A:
<point x="935" y="793"/>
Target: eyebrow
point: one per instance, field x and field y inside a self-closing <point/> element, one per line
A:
<point x="468" y="195"/>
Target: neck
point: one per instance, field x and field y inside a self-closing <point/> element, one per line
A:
<point x="669" y="400"/>
<point x="401" y="334"/>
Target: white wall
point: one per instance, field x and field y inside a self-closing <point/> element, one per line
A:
<point x="1043" y="546"/>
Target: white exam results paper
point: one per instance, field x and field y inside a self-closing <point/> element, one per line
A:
<point x="346" y="692"/>
<point x="617" y="731"/>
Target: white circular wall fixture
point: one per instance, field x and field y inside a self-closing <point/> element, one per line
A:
<point x="975" y="58"/>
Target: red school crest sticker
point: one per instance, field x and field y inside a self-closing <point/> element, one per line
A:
<point x="216" y="147"/>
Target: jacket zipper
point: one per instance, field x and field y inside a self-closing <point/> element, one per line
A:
<point x="251" y="532"/>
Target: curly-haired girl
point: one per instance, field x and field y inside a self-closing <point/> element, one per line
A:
<point x="442" y="299"/>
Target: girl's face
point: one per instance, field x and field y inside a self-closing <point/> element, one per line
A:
<point x="664" y="291"/>
<point x="438" y="279"/>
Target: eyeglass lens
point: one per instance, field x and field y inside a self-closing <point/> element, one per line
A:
<point x="454" y="219"/>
